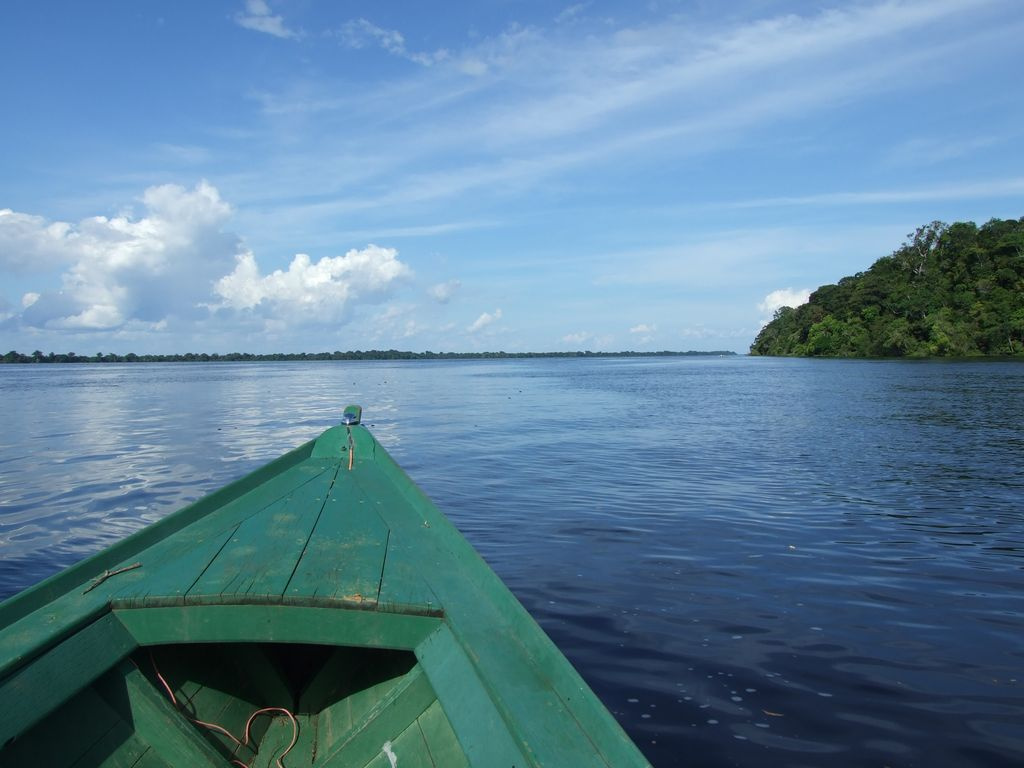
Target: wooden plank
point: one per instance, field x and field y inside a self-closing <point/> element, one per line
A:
<point x="171" y="571"/>
<point x="259" y="559"/>
<point x="153" y="759"/>
<point x="306" y="748"/>
<point x="533" y="677"/>
<point x="548" y="708"/>
<point x="333" y="680"/>
<point x="407" y="750"/>
<point x="161" y="567"/>
<point x="402" y="588"/>
<point x="490" y="647"/>
<point x="487" y="619"/>
<point x="38" y="689"/>
<point x="173" y="567"/>
<point x="250" y="662"/>
<point x="275" y="624"/>
<point x="468" y="704"/>
<point x="208" y="687"/>
<point x="332" y="444"/>
<point x="551" y="711"/>
<point x="380" y="760"/>
<point x="85" y="719"/>
<point x="267" y="480"/>
<point x="529" y="692"/>
<point x="410" y="749"/>
<point x="156" y="721"/>
<point x="385" y="721"/>
<point x="440" y="739"/>
<point x="375" y="677"/>
<point x="117" y="748"/>
<point x="35" y="633"/>
<point x="278" y="735"/>
<point x="345" y="555"/>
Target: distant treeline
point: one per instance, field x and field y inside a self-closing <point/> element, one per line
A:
<point x="371" y="354"/>
<point x="950" y="291"/>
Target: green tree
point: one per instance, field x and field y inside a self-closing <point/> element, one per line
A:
<point x="955" y="290"/>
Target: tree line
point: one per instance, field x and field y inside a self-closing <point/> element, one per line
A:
<point x="949" y="291"/>
<point x="373" y="354"/>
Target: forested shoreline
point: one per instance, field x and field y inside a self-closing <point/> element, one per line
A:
<point x="950" y="291"/>
<point x="373" y="354"/>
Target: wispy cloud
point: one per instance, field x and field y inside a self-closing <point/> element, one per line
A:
<point x="941" y="191"/>
<point x="706" y="332"/>
<point x="443" y="292"/>
<point x="674" y="72"/>
<point x="571" y="13"/>
<point x="258" y="17"/>
<point x="187" y="154"/>
<point x="930" y="150"/>
<point x="544" y="103"/>
<point x="715" y="260"/>
<point x="485" y="319"/>
<point x="360" y="33"/>
<point x="550" y="165"/>
<point x="577" y="338"/>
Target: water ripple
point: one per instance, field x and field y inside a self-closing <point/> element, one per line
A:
<point x="753" y="562"/>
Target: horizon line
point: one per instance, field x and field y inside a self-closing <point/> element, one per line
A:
<point x="15" y="357"/>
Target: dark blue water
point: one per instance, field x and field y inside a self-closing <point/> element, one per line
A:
<point x="754" y="562"/>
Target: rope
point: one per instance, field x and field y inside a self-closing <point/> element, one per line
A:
<point x="245" y="742"/>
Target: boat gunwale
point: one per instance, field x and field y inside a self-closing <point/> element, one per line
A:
<point x="93" y="566"/>
<point x="511" y="658"/>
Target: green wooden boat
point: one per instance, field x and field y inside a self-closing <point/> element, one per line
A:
<point x="318" y="612"/>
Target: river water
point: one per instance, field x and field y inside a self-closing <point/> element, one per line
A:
<point x="754" y="562"/>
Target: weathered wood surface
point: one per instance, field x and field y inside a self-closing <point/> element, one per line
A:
<point x="331" y="545"/>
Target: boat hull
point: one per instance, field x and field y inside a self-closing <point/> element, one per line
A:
<point x="325" y="588"/>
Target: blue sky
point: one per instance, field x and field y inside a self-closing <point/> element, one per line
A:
<point x="305" y="175"/>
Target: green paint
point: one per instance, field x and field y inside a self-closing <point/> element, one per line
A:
<point x="325" y="582"/>
<point x="326" y="625"/>
<point x="37" y="689"/>
<point x="84" y="719"/>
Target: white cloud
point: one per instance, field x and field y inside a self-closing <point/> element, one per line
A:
<point x="643" y="328"/>
<point x="571" y="13"/>
<point x="175" y="268"/>
<point x="258" y="17"/>
<point x="959" y="190"/>
<point x="701" y="331"/>
<point x="687" y="78"/>
<point x="360" y="33"/>
<point x="443" y="292"/>
<point x="577" y="338"/>
<point x="484" y="320"/>
<point x="187" y="154"/>
<point x="543" y="102"/>
<point x="783" y="297"/>
<point x="123" y="268"/>
<point x="472" y="66"/>
<point x="394" y="321"/>
<point x="311" y="292"/>
<point x="28" y="243"/>
<point x="927" y="151"/>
